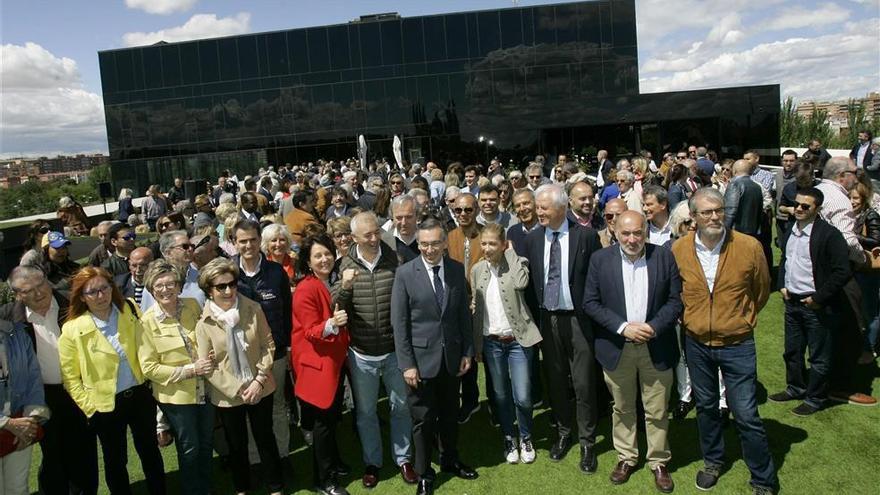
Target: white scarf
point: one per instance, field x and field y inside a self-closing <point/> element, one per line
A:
<point x="236" y="345"/>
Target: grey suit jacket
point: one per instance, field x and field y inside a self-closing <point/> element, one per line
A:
<point x="424" y="335"/>
<point x="513" y="278"/>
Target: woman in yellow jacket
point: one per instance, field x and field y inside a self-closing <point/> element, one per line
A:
<point x="102" y="373"/>
<point x="169" y="359"/>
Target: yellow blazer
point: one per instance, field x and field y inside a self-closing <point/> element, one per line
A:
<point x="211" y="335"/>
<point x="161" y="350"/>
<point x="89" y="364"/>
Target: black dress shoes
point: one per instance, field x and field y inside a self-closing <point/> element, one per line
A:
<point x="332" y="488"/>
<point x="682" y="409"/>
<point x="588" y="462"/>
<point x="460" y="470"/>
<point x="560" y="448"/>
<point x="425" y="487"/>
<point x="371" y="477"/>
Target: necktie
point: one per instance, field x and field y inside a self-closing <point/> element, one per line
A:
<point x="554" y="275"/>
<point x="438" y="287"/>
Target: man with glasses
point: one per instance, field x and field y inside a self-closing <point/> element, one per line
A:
<point x="267" y="283"/>
<point x="534" y="176"/>
<point x="433" y="341"/>
<point x="364" y="292"/>
<point x="612" y="210"/>
<point x="812" y="273"/>
<point x="122" y="238"/>
<point x="725" y="284"/>
<point x="104" y="250"/>
<point x="69" y="446"/>
<point x="131" y="284"/>
<point x="178" y="251"/>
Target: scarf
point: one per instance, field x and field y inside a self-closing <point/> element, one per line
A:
<point x="236" y="345"/>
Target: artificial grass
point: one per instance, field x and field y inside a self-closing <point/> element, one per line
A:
<point x="833" y="451"/>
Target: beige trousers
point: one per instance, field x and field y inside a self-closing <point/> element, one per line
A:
<point x="636" y="374"/>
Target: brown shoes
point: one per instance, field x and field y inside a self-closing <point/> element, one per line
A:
<point x="621" y="473"/>
<point x="856" y="399"/>
<point x="662" y="480"/>
<point x="408" y="473"/>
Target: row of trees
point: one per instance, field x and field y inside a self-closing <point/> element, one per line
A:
<point x="796" y="131"/>
<point x="35" y="197"/>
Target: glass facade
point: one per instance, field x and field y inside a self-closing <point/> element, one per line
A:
<point x="545" y="79"/>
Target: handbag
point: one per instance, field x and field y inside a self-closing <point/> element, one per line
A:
<point x="7" y="439"/>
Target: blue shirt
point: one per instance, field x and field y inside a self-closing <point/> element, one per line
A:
<point x="110" y="329"/>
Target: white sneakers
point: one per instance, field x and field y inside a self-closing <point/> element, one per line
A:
<point x="525" y="454"/>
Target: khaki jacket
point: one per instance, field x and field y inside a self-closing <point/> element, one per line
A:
<point x="513" y="278"/>
<point x="742" y="286"/>
<point x="89" y="363"/>
<point x="161" y="350"/>
<point x="224" y="387"/>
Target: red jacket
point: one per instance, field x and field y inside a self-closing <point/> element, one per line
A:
<point x="317" y="361"/>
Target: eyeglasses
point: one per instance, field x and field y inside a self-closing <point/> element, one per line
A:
<point x="341" y="235"/>
<point x="459" y="211"/>
<point x="129" y="236"/>
<point x="426" y="245"/>
<point x="168" y="286"/>
<point x="225" y="286"/>
<point x="97" y="292"/>
<point x="185" y="247"/>
<point x="803" y="206"/>
<point x="707" y="214"/>
<point x="534" y="177"/>
<point x="396" y="182"/>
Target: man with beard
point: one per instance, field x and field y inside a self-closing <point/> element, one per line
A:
<point x="582" y="205"/>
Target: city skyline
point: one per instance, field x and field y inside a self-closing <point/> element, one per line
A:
<point x="51" y="87"/>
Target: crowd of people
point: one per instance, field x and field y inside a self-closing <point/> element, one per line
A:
<point x="282" y="298"/>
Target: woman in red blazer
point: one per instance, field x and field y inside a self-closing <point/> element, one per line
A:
<point x="319" y="344"/>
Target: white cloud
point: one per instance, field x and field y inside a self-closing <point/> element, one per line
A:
<point x="162" y="7"/>
<point x="198" y="26"/>
<point x="797" y="17"/>
<point x="45" y="105"/>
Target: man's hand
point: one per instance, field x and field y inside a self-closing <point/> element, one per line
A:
<point x="464" y="366"/>
<point x="164" y="438"/>
<point x="411" y="377"/>
<point x="808" y="302"/>
<point x="348" y="276"/>
<point x="638" y="332"/>
<point x="784" y="293"/>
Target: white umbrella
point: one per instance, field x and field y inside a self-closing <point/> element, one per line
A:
<point x="362" y="151"/>
<point x="398" y="155"/>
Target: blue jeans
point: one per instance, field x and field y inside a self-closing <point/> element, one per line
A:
<point x="510" y="367"/>
<point x="365" y="376"/>
<point x="805" y="329"/>
<point x="738" y="364"/>
<point x="193" y="429"/>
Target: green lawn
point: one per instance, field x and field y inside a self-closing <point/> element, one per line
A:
<point x="830" y="452"/>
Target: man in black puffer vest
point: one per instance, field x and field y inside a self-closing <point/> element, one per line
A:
<point x="364" y="291"/>
<point x="266" y="282"/>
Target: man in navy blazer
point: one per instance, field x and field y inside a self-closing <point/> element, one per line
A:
<point x="430" y="315"/>
<point x="559" y="253"/>
<point x="633" y="294"/>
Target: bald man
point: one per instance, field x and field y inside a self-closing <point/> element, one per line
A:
<point x="613" y="209"/>
<point x="743" y="201"/>
<point x="132" y="283"/>
<point x="636" y="341"/>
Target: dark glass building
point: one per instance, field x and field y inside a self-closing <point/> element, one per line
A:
<point x="548" y="79"/>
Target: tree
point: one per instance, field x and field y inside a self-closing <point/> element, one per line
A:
<point x="791" y="125"/>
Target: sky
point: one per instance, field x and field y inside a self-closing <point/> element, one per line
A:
<point x="50" y="85"/>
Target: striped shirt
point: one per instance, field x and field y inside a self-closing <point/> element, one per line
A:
<point x="838" y="211"/>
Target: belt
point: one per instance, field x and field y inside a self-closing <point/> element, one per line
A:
<point x="128" y="393"/>
<point x="797" y="298"/>
<point x="503" y="339"/>
<point x="560" y="312"/>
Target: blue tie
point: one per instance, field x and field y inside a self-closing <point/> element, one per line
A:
<point x="438" y="287"/>
<point x="554" y="275"/>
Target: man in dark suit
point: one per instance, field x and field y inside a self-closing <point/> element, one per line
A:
<point x="633" y="294"/>
<point x="862" y="153"/>
<point x="434" y="344"/>
<point x="559" y="253"/>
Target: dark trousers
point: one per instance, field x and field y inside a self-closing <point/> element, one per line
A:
<point x="260" y="417"/>
<point x="570" y="364"/>
<point x="135" y="409"/>
<point x="325" y="449"/>
<point x="434" y="409"/>
<point x="738" y="364"/>
<point x="470" y="389"/>
<point x="193" y="429"/>
<point x="70" y="448"/>
<point x="807" y="329"/>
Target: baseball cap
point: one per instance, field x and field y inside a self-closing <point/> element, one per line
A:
<point x="57" y="240"/>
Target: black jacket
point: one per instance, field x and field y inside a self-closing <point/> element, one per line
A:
<point x="270" y="287"/>
<point x="175" y="194"/>
<point x="868" y="228"/>
<point x="368" y="302"/>
<point x="743" y="205"/>
<point x="830" y="256"/>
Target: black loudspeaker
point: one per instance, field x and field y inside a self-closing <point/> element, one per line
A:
<point x="105" y="190"/>
<point x="193" y="188"/>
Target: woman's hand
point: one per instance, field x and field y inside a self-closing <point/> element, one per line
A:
<point x="204" y="367"/>
<point x="251" y="393"/>
<point x="340" y="317"/>
<point x="24" y="430"/>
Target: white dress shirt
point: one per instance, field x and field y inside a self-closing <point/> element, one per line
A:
<point x="565" y="303"/>
<point x="798" y="264"/>
<point x="860" y="155"/>
<point x="709" y="259"/>
<point x="659" y="236"/>
<point x="46" y="333"/>
<point x="495" y="322"/>
<point x="635" y="289"/>
<point x="430" y="269"/>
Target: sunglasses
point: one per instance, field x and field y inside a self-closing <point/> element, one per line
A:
<point x="44" y="229"/>
<point x="129" y="236"/>
<point x="534" y="177"/>
<point x="803" y="206"/>
<point x="205" y="240"/>
<point x="611" y="216"/>
<point x="681" y="157"/>
<point x="185" y="247"/>
<point x="459" y="211"/>
<point x="226" y="286"/>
